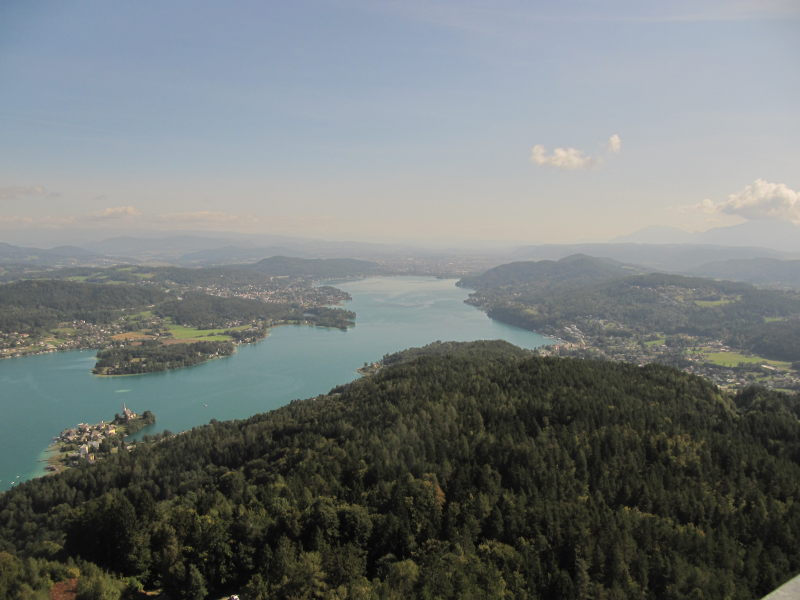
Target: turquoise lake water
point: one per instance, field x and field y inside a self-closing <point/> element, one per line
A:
<point x="42" y="395"/>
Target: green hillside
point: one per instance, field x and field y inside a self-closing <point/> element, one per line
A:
<point x="569" y="272"/>
<point x="474" y="473"/>
<point x="35" y="305"/>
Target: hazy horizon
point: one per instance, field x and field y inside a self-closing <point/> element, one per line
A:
<point x="454" y="123"/>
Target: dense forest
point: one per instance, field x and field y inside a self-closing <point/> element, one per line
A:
<point x="207" y="312"/>
<point x="467" y="471"/>
<point x="36" y="305"/>
<point x="776" y="339"/>
<point x="151" y="356"/>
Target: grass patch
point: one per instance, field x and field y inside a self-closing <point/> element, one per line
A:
<point x="77" y="278"/>
<point x="145" y="314"/>
<point x="64" y="331"/>
<point x="734" y="359"/>
<point x="720" y="302"/>
<point x="132" y="335"/>
<point x="657" y="342"/>
<point x="182" y="332"/>
<point x="773" y="319"/>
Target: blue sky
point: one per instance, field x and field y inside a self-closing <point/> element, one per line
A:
<point x="349" y="119"/>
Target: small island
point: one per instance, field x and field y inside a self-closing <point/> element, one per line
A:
<point x="87" y="443"/>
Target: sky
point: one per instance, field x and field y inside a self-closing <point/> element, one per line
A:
<point x="448" y="121"/>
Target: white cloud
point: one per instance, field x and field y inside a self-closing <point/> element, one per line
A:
<point x="15" y="192"/>
<point x="759" y="200"/>
<point x="562" y="158"/>
<point x="118" y="212"/>
<point x="572" y="159"/>
<point x="614" y="144"/>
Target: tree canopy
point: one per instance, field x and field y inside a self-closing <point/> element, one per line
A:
<point x="470" y="471"/>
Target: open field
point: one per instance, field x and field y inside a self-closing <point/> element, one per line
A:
<point x="132" y="335"/>
<point x="720" y="302"/>
<point x="182" y="332"/>
<point x="145" y="314"/>
<point x="733" y="359"/>
<point x="64" y="331"/>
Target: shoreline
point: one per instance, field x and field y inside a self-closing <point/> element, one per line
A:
<point x="95" y="348"/>
<point x="51" y="457"/>
<point x="106" y="375"/>
<point x="63" y="453"/>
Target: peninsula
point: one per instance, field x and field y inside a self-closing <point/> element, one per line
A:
<point x="86" y="444"/>
<point x="128" y="306"/>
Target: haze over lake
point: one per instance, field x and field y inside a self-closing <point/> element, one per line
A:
<point x="42" y="395"/>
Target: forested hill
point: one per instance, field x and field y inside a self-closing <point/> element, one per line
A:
<point x="39" y="304"/>
<point x="571" y="271"/>
<point x="474" y="473"/>
<point x="60" y="256"/>
<point x="660" y="302"/>
<point x="207" y="311"/>
<point x="73" y="297"/>
<point x="319" y="268"/>
<point x="591" y="304"/>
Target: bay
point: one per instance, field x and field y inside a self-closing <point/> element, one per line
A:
<point x="42" y="395"/>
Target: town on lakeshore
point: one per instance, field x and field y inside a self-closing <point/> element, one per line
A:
<point x="87" y="443"/>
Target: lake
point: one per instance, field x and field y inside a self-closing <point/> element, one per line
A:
<point x="42" y="395"/>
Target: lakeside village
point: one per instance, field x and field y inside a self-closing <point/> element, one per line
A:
<point x="81" y="334"/>
<point x="86" y="443"/>
<point x="727" y="367"/>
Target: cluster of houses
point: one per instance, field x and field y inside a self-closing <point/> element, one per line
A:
<point x="682" y="354"/>
<point x="283" y="290"/>
<point x="85" y="335"/>
<point x="82" y="442"/>
<point x="85" y="439"/>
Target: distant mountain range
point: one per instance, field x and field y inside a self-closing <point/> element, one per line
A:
<point x="233" y="254"/>
<point x="661" y="257"/>
<point x="575" y="270"/>
<point x="767" y="233"/>
<point x="655" y="248"/>
<point x="318" y="268"/>
<point x="60" y="256"/>
<point x="234" y="248"/>
<point x="759" y="271"/>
